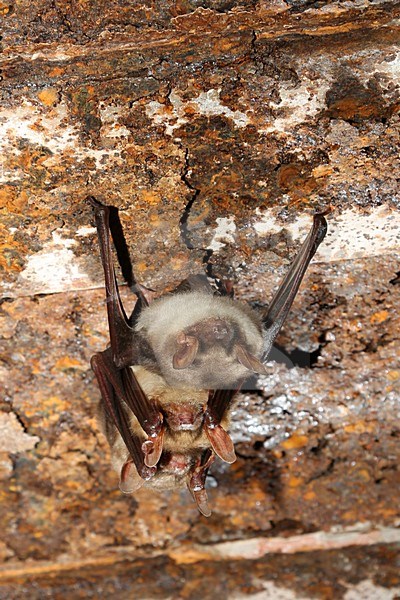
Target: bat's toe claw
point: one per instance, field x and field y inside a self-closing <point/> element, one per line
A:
<point x="201" y="499"/>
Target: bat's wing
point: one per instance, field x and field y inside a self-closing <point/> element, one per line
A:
<point x="125" y="343"/>
<point x="278" y="309"/>
<point x="120" y="389"/>
<point x="220" y="400"/>
<point x="118" y="384"/>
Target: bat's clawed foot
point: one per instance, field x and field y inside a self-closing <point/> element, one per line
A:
<point x="197" y="482"/>
<point x="201" y="499"/>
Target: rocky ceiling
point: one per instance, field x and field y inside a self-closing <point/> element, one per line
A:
<point x="217" y="128"/>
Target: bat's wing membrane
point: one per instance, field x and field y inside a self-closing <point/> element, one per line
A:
<point x="118" y="384"/>
<point x="123" y="339"/>
<point x="278" y="310"/>
<point x="219" y="400"/>
<point x="112" y="395"/>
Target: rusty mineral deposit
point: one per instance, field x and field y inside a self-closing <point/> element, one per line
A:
<point x="217" y="127"/>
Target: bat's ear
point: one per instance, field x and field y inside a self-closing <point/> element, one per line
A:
<point x="221" y="443"/>
<point x="249" y="361"/>
<point x="187" y="351"/>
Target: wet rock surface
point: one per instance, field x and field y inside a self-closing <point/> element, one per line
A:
<point x="217" y="128"/>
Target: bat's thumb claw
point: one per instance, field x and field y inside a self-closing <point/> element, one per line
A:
<point x="130" y="480"/>
<point x="152" y="449"/>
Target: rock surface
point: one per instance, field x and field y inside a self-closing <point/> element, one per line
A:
<point x="217" y="128"/>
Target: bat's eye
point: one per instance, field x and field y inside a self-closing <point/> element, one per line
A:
<point x="220" y="330"/>
<point x="213" y="330"/>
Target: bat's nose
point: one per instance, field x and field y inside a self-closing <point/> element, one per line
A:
<point x="215" y="330"/>
<point x="184" y="418"/>
<point x="220" y="330"/>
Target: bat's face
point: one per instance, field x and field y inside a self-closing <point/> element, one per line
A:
<point x="183" y="416"/>
<point x="202" y="341"/>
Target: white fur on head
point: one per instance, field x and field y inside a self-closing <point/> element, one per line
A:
<point x="166" y="318"/>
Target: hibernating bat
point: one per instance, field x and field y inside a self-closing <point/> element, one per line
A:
<point x="172" y="368"/>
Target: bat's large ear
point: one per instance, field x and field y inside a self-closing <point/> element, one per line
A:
<point x="187" y="351"/>
<point x="122" y="337"/>
<point x="249" y="361"/>
<point x="221" y="443"/>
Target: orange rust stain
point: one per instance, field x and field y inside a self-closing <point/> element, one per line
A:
<point x="295" y="482"/>
<point x="56" y="404"/>
<point x="349" y="515"/>
<point x="155" y="219"/>
<point x="310" y="496"/>
<point x="322" y="171"/>
<point x="359" y="427"/>
<point x="48" y="96"/>
<point x="178" y="262"/>
<point x="56" y="72"/>
<point x="36" y="367"/>
<point x="151" y="197"/>
<point x="352" y="107"/>
<point x="188" y="555"/>
<point x="67" y="362"/>
<point x="13" y="199"/>
<point x="291" y="178"/>
<point x="387" y="513"/>
<point x="5" y="8"/>
<point x="141" y="267"/>
<point x="364" y="475"/>
<point x="379" y="317"/>
<point x="7" y="196"/>
<point x="297" y="440"/>
<point x="224" y="45"/>
<point x="190" y="110"/>
<point x="287" y="176"/>
<point x="393" y="375"/>
<point x="11" y="253"/>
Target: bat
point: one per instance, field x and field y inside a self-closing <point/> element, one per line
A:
<point x="173" y="366"/>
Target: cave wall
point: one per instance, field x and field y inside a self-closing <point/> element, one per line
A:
<point x="217" y="128"/>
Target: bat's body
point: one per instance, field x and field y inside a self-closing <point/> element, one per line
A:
<point x="173" y="367"/>
<point x="184" y="437"/>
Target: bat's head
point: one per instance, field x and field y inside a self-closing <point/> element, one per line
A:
<point x="202" y="341"/>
